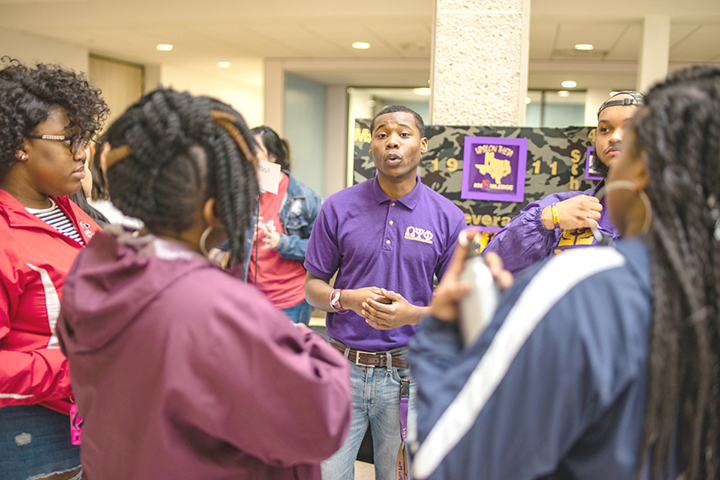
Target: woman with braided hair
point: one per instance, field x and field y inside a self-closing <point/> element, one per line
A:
<point x="600" y="363"/>
<point x="181" y="370"/>
<point x="47" y="116"/>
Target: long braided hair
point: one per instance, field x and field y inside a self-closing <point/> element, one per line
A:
<point x="680" y="132"/>
<point x="184" y="150"/>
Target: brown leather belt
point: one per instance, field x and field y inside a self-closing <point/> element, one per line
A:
<point x="371" y="359"/>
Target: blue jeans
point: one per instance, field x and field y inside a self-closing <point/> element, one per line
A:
<point x="35" y="440"/>
<point x="300" y="313"/>
<point x="376" y="400"/>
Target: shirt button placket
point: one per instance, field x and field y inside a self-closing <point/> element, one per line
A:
<point x="387" y="240"/>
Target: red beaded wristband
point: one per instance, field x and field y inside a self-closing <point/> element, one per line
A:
<point x="335" y="301"/>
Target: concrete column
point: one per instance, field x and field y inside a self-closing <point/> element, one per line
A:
<point x="654" y="51"/>
<point x="336" y="139"/>
<point x="480" y="62"/>
<point x="593" y="99"/>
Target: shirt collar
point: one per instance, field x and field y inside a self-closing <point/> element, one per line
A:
<point x="410" y="200"/>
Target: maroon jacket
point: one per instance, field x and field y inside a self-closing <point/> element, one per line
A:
<point x="182" y="371"/>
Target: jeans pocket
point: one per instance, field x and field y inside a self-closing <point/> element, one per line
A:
<point x="399" y="374"/>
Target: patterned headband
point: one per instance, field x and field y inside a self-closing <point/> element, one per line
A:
<point x="636" y="98"/>
<point x="223" y="119"/>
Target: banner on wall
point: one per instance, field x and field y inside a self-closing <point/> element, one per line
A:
<point x="494" y="168"/>
<point x="480" y="169"/>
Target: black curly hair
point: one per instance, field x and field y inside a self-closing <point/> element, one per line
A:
<point x="679" y="129"/>
<point x="28" y="96"/>
<point x="181" y="155"/>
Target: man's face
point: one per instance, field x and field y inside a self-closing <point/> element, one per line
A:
<point x="610" y="130"/>
<point x="396" y="146"/>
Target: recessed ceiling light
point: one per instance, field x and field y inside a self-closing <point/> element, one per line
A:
<point x="563" y="93"/>
<point x="424" y="91"/>
<point x="569" y="84"/>
<point x="224" y="64"/>
<point x="361" y="45"/>
<point x="527" y="100"/>
<point x="584" y="46"/>
<point x="164" y="47"/>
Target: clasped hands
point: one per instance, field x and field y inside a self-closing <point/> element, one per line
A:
<point x="271" y="238"/>
<point x="384" y="309"/>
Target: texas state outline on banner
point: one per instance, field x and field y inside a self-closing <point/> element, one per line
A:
<point x="555" y="162"/>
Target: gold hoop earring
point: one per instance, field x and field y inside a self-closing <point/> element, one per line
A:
<point x="628" y="185"/>
<point x="203" y="241"/>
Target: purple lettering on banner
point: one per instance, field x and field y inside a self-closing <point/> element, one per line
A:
<point x="494" y="169"/>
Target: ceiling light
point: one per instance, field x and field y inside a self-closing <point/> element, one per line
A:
<point x="563" y="93"/>
<point x="614" y="92"/>
<point x="361" y="45"/>
<point x="527" y="100"/>
<point x="164" y="47"/>
<point x="569" y="84"/>
<point x="584" y="46"/>
<point x="421" y="91"/>
<point x="224" y="64"/>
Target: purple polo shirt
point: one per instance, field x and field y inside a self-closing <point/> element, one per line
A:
<point x="371" y="240"/>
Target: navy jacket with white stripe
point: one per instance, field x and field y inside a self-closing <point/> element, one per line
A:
<point x="554" y="388"/>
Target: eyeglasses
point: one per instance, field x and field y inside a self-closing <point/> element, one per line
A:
<point x="74" y="142"/>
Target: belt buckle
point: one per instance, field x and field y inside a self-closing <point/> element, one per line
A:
<point x="357" y="358"/>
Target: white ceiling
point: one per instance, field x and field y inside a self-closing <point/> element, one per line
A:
<point x="204" y="33"/>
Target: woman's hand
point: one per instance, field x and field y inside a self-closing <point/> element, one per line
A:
<point x="445" y="305"/>
<point x="271" y="238"/>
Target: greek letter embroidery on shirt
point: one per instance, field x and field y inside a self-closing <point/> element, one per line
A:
<point x="419" y="235"/>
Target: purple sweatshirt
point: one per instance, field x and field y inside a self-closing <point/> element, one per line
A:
<point x="525" y="240"/>
<point x="182" y="371"/>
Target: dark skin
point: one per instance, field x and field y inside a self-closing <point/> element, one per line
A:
<point x="46" y="168"/>
<point x="627" y="211"/>
<point x="583" y="211"/>
<point x="396" y="148"/>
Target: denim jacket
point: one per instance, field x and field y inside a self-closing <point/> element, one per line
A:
<point x="300" y="209"/>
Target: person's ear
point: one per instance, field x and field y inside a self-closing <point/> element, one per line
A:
<point x="210" y="213"/>
<point x="423" y="145"/>
<point x="21" y="155"/>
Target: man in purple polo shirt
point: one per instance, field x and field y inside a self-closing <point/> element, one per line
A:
<point x="386" y="238"/>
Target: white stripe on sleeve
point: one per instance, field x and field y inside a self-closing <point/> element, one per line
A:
<point x="549" y="285"/>
<point x="52" y="303"/>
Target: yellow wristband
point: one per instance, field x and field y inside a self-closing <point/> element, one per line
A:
<point x="555" y="216"/>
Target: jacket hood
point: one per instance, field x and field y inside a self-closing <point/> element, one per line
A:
<point x="112" y="280"/>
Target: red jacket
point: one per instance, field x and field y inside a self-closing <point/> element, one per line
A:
<point x="34" y="261"/>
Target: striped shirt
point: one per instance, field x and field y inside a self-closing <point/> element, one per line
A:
<point x="57" y="219"/>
